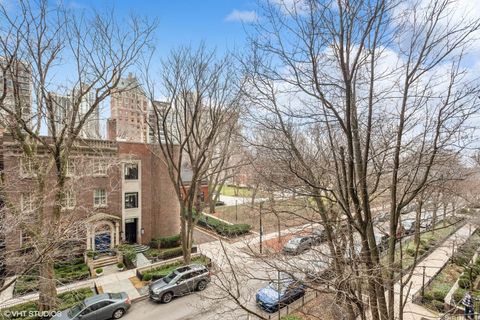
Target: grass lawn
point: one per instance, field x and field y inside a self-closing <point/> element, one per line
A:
<point x="236" y="191"/>
<point x="65" y="272"/>
<point x="292" y="212"/>
<point x="65" y="300"/>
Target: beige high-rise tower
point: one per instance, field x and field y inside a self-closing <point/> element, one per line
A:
<point x="129" y="110"/>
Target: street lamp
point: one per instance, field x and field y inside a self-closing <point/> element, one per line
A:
<point x="261" y="228"/>
<point x="423" y="284"/>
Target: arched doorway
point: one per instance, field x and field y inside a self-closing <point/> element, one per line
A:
<point x="103" y="232"/>
<point x="103" y="237"/>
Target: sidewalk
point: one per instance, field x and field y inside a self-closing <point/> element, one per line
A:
<point x="433" y="263"/>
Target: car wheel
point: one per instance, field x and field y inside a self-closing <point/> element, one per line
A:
<point x="118" y="314"/>
<point x="167" y="297"/>
<point x="201" y="285"/>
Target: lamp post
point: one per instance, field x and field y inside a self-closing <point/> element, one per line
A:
<point x="423" y="283"/>
<point x="236" y="211"/>
<point x="261" y="228"/>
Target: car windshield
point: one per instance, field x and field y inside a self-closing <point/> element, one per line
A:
<point x="169" y="278"/>
<point x="279" y="286"/>
<point x="75" y="310"/>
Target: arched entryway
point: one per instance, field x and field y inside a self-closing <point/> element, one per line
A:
<point x="103" y="232"/>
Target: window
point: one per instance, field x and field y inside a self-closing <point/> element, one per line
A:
<point x="69" y="200"/>
<point x="99" y="198"/>
<point x="131" y="200"/>
<point x="26" y="202"/>
<point x="99" y="167"/>
<point x="70" y="168"/>
<point x="131" y="171"/>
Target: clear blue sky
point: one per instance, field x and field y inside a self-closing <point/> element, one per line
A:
<point x="216" y="22"/>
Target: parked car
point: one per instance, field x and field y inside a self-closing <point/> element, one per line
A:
<point x="319" y="235"/>
<point x="278" y="294"/>
<point x="298" y="245"/>
<point x="382" y="241"/>
<point x="179" y="282"/>
<point x="426" y="221"/>
<point x="408" y="226"/>
<point x="99" y="307"/>
<point x="219" y="203"/>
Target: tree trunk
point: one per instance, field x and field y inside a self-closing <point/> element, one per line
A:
<point x="48" y="292"/>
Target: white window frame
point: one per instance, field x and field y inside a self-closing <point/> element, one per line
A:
<point x="95" y="197"/>
<point x="99" y="167"/>
<point x="70" y="168"/>
<point x="70" y="200"/>
<point x="26" y="202"/>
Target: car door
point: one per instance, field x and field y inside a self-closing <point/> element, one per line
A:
<point x="104" y="310"/>
<point x="181" y="287"/>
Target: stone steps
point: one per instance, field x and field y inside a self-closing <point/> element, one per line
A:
<point x="139" y="248"/>
<point x="104" y="261"/>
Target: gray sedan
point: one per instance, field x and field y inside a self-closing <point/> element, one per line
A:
<point x="298" y="245"/>
<point x="179" y="282"/>
<point x="100" y="307"/>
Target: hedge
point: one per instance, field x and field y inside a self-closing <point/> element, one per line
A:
<point x="65" y="272"/>
<point x="166" y="242"/>
<point x="66" y="300"/>
<point x="164" y="254"/>
<point x="160" y="272"/>
<point x="222" y="228"/>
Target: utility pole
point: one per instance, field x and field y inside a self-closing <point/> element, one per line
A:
<point x="423" y="284"/>
<point x="261" y="228"/>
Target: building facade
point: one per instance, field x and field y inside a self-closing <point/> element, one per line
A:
<point x="17" y="76"/>
<point x="117" y="192"/>
<point x="129" y="108"/>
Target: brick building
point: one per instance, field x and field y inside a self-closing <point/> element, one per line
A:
<point x="120" y="191"/>
<point x="129" y="108"/>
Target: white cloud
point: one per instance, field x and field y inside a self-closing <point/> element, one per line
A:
<point x="242" y="16"/>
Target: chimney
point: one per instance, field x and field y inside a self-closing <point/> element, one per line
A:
<point x="112" y="129"/>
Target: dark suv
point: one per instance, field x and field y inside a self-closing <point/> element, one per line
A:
<point x="179" y="282"/>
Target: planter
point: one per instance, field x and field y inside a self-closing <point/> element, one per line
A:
<point x="98" y="272"/>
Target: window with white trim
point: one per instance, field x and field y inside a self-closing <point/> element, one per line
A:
<point x="26" y="202"/>
<point x="69" y="200"/>
<point x="99" y="198"/>
<point x="99" y="167"/>
<point x="70" y="168"/>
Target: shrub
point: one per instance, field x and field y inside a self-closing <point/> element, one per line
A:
<point x="410" y="250"/>
<point x="171" y="253"/>
<point x="98" y="270"/>
<point x="464" y="282"/>
<point x="166" y="242"/>
<point x="147" y="277"/>
<point x="438" y="305"/>
<point x="439" y="293"/>
<point x="120" y="265"/>
<point x="129" y="254"/>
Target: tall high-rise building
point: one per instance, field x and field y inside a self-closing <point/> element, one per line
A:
<point x="18" y="93"/>
<point x="129" y="110"/>
<point x="63" y="112"/>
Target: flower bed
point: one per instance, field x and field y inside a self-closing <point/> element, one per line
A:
<point x="65" y="272"/>
<point x="155" y="255"/>
<point x="438" y="289"/>
<point x="65" y="300"/>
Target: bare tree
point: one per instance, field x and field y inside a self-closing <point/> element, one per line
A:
<point x="202" y="98"/>
<point x="361" y="98"/>
<point x="43" y="39"/>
